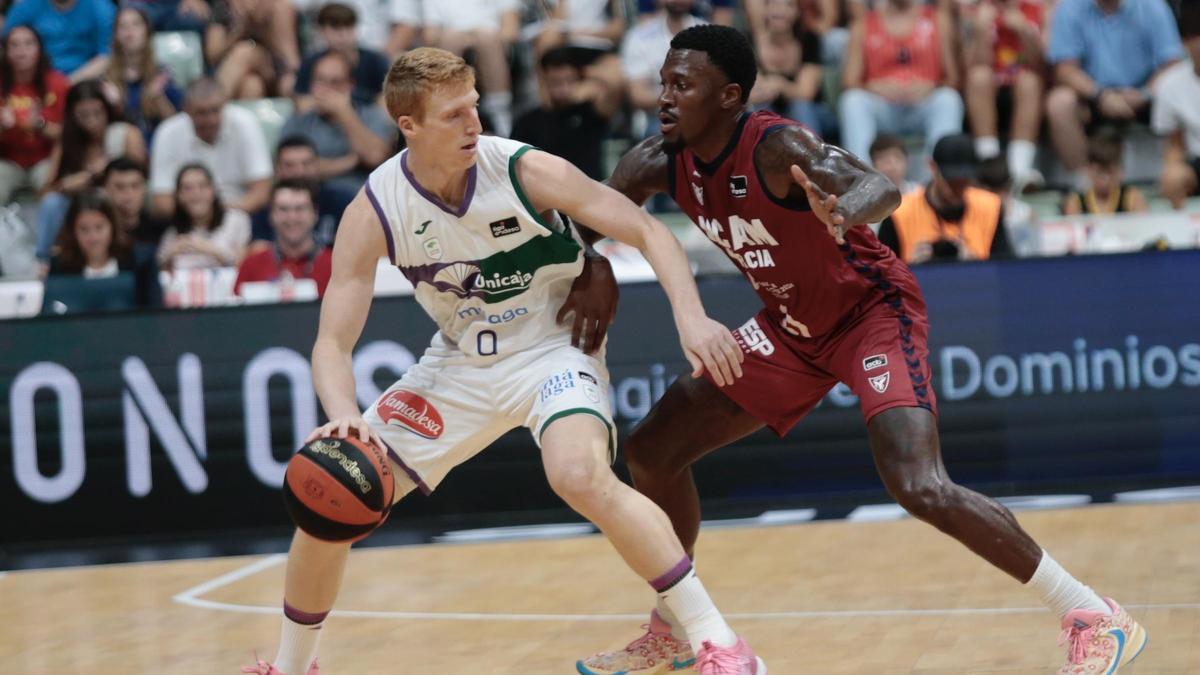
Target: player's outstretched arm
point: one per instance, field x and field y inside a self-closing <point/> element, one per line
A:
<point x="639" y="175"/>
<point x="554" y="183"/>
<point x="842" y="190"/>
<point x="360" y="244"/>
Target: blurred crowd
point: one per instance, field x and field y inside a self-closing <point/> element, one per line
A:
<point x="168" y="135"/>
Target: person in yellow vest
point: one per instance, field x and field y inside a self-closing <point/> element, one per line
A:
<point x="950" y="218"/>
<point x="1109" y="193"/>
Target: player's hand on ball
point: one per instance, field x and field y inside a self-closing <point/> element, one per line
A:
<point x="342" y="427"/>
<point x="710" y="346"/>
<point x="824" y="205"/>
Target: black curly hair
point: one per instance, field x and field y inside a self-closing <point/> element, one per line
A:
<point x="727" y="48"/>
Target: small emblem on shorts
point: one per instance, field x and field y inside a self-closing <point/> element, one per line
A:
<point x="873" y="362"/>
<point x="433" y="248"/>
<point x="880" y="382"/>
<point x="505" y="227"/>
<point x="737" y="186"/>
<point x="405" y="409"/>
<point x="587" y="377"/>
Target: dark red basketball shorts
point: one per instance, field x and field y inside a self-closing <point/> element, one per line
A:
<point x="882" y="354"/>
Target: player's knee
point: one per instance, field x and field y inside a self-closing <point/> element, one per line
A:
<point x="578" y="482"/>
<point x="926" y="500"/>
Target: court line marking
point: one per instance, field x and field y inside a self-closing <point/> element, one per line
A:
<point x="190" y="598"/>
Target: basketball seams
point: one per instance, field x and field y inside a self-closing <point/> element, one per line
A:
<point x="349" y="508"/>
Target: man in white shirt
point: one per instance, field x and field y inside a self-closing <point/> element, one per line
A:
<point x="1176" y="114"/>
<point x="224" y="138"/>
<point x="643" y="51"/>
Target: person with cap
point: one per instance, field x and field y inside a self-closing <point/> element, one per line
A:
<point x="950" y="218"/>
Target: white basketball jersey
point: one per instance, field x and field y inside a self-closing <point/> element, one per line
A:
<point x="491" y="273"/>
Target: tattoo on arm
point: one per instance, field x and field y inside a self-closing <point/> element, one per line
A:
<point x="864" y="195"/>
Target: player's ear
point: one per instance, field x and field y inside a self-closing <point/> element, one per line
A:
<point x="407" y="124"/>
<point x="731" y="96"/>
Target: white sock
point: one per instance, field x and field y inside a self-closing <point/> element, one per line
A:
<point x="1020" y="157"/>
<point x="987" y="147"/>
<point x="694" y="610"/>
<point x="499" y="106"/>
<point x="297" y="645"/>
<point x="667" y="615"/>
<point x="1062" y="592"/>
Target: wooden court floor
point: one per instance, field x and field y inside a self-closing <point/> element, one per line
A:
<point x="826" y="598"/>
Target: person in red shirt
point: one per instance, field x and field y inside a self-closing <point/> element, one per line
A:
<point x="295" y="253"/>
<point x="32" y="100"/>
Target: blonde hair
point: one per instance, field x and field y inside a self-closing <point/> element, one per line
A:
<point x="418" y="72"/>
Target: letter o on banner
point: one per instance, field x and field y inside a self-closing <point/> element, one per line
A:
<point x="370" y="358"/>
<point x="47" y="375"/>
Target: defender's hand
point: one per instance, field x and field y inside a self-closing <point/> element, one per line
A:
<point x="708" y="345"/>
<point x="593" y="299"/>
<point x="343" y="426"/>
<point x="824" y="205"/>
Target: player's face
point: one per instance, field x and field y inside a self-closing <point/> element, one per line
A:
<point x="450" y="128"/>
<point x="693" y="96"/>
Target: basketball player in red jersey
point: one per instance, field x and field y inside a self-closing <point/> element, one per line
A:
<point x="789" y="210"/>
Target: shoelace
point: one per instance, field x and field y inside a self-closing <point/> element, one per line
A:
<point x="1078" y="639"/>
<point x="259" y="668"/>
<point x="714" y="660"/>
<point x="649" y="637"/>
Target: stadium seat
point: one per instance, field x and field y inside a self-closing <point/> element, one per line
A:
<point x="181" y="53"/>
<point x="271" y="113"/>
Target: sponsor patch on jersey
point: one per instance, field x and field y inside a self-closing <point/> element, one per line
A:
<point x="421" y="230"/>
<point x="873" y="362"/>
<point x="737" y="186"/>
<point x="751" y="338"/>
<point x="407" y="410"/>
<point x="503" y="228"/>
<point x="433" y="248"/>
<point x="880" y="382"/>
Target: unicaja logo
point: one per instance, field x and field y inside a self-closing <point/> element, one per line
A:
<point x="406" y="409"/>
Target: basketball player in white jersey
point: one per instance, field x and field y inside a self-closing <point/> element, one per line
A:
<point x="467" y="219"/>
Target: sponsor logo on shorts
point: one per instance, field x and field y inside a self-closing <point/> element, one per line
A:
<point x="873" y="362"/>
<point x="880" y="382"/>
<point x="556" y="384"/>
<point x="330" y="450"/>
<point x="591" y="388"/>
<point x="405" y="409"/>
<point x="588" y="377"/>
<point x="503" y="228"/>
<point x="751" y="338"/>
<point x="737" y="186"/>
<point x="433" y="248"/>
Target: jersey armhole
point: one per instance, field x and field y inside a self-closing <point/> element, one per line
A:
<point x="383" y="222"/>
<point x="671" y="158"/>
<point x="789" y="203"/>
<point x="516" y="183"/>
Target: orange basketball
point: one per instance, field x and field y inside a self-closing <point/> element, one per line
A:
<point x="338" y="489"/>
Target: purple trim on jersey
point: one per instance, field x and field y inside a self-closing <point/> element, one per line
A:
<point x="387" y="230"/>
<point x="434" y="199"/>
<point x="667" y="581"/>
<point x="303" y="618"/>
<point x="413" y="475"/>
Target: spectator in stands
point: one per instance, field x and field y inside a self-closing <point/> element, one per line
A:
<point x="574" y="122"/>
<point x="594" y="24"/>
<point x="949" y="219"/>
<point x="1020" y="221"/>
<point x="890" y="158"/>
<point x="225" y="138"/>
<point x="351" y="137"/>
<point x="32" y="100"/>
<point x="296" y="160"/>
<point x="251" y="44"/>
<point x="711" y="11"/>
<point x="1107" y="56"/>
<point x="93" y="247"/>
<point x="1005" y="62"/>
<point x="174" y="15"/>
<point x="203" y="233"/>
<point x="825" y="18"/>
<point x="124" y="182"/>
<point x="790" y="72"/>
<point x="1177" y="115"/>
<point x="488" y="28"/>
<point x="389" y="27"/>
<point x="1108" y="193"/>
<point x="295" y="254"/>
<point x="75" y="33"/>
<point x="642" y="54"/>
<point x="335" y="23"/>
<point x="93" y="134"/>
<point x="901" y="76"/>
<point x="142" y="87"/>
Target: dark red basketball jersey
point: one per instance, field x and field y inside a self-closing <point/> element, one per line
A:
<point x="808" y="283"/>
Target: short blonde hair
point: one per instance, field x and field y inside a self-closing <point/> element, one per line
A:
<point x="418" y="72"/>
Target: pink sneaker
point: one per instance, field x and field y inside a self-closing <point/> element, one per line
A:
<point x="1099" y="643"/>
<point x="655" y="652"/>
<point x="264" y="668"/>
<point x="736" y="660"/>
